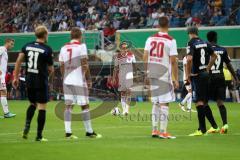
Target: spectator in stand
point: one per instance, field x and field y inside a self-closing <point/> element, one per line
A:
<point x="62" y="15"/>
<point x="62" y="26"/>
<point x="218" y="4"/>
<point x="109" y="32"/>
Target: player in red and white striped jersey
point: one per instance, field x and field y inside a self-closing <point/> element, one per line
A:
<point x="123" y="71"/>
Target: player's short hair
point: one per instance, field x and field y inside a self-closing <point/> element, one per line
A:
<point x="76" y="33"/>
<point x="163" y="22"/>
<point x="41" y="31"/>
<point x="7" y="40"/>
<point x="192" y="30"/>
<point x="212" y="36"/>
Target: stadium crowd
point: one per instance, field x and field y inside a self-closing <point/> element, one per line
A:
<point x="109" y="15"/>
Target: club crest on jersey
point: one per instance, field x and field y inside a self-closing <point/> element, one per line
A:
<point x="129" y="60"/>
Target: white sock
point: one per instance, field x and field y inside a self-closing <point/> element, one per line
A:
<point x="67" y="121"/>
<point x="189" y="102"/>
<point x="186" y="98"/>
<point x="4" y="105"/>
<point x="237" y="96"/>
<point x="123" y="102"/>
<point x="163" y="118"/>
<point x="155" y="116"/>
<point x="87" y="121"/>
<point x="127" y="106"/>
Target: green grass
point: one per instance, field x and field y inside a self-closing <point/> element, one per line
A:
<point x="122" y="138"/>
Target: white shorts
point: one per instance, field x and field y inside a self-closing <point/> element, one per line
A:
<point x="161" y="92"/>
<point x="2" y="84"/>
<point x="75" y="95"/>
<point x="125" y="85"/>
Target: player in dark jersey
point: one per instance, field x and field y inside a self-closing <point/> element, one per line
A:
<point x="39" y="65"/>
<point x="217" y="81"/>
<point x="198" y="66"/>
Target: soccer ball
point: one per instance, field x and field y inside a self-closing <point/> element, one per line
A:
<point x="116" y="111"/>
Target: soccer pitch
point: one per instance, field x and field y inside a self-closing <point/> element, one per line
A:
<point x="123" y="138"/>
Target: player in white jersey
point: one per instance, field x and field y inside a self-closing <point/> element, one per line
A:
<point x="9" y="44"/>
<point x="187" y="88"/>
<point x="160" y="58"/>
<point x="123" y="71"/>
<point x="76" y="80"/>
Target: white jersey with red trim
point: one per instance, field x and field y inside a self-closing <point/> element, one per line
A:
<point x="160" y="47"/>
<point x="71" y="55"/>
<point x="3" y="62"/>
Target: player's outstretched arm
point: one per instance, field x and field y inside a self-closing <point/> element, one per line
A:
<point x="174" y="64"/>
<point x="62" y="68"/>
<point x="188" y="68"/>
<point x="17" y="69"/>
<point x="51" y="74"/>
<point x="212" y="61"/>
<point x="86" y="71"/>
<point x="115" y="71"/>
<point x="145" y="63"/>
<point x="230" y="68"/>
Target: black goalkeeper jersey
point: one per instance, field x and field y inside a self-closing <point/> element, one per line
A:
<point x="38" y="56"/>
<point x="200" y="51"/>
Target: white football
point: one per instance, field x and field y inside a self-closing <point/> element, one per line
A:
<point x="115" y="111"/>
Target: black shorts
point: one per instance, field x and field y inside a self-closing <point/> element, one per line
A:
<point x="201" y="84"/>
<point x="184" y="91"/>
<point x="38" y="95"/>
<point x="229" y="85"/>
<point x="9" y="87"/>
<point x="217" y="87"/>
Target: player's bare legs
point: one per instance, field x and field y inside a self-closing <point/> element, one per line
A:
<point x="223" y="113"/>
<point x="29" y="115"/>
<point x="87" y="122"/>
<point x="4" y="103"/>
<point x="41" y="121"/>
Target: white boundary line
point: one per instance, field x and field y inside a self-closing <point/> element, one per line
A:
<point x="104" y="137"/>
<point x="113" y="138"/>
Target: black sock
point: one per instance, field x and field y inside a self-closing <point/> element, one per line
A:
<point x="201" y="118"/>
<point x="29" y="115"/>
<point x="41" y="122"/>
<point x="210" y="117"/>
<point x="223" y="113"/>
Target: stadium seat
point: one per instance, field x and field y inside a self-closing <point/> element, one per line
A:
<point x="222" y="21"/>
<point x="238" y="17"/>
<point x="174" y="3"/>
